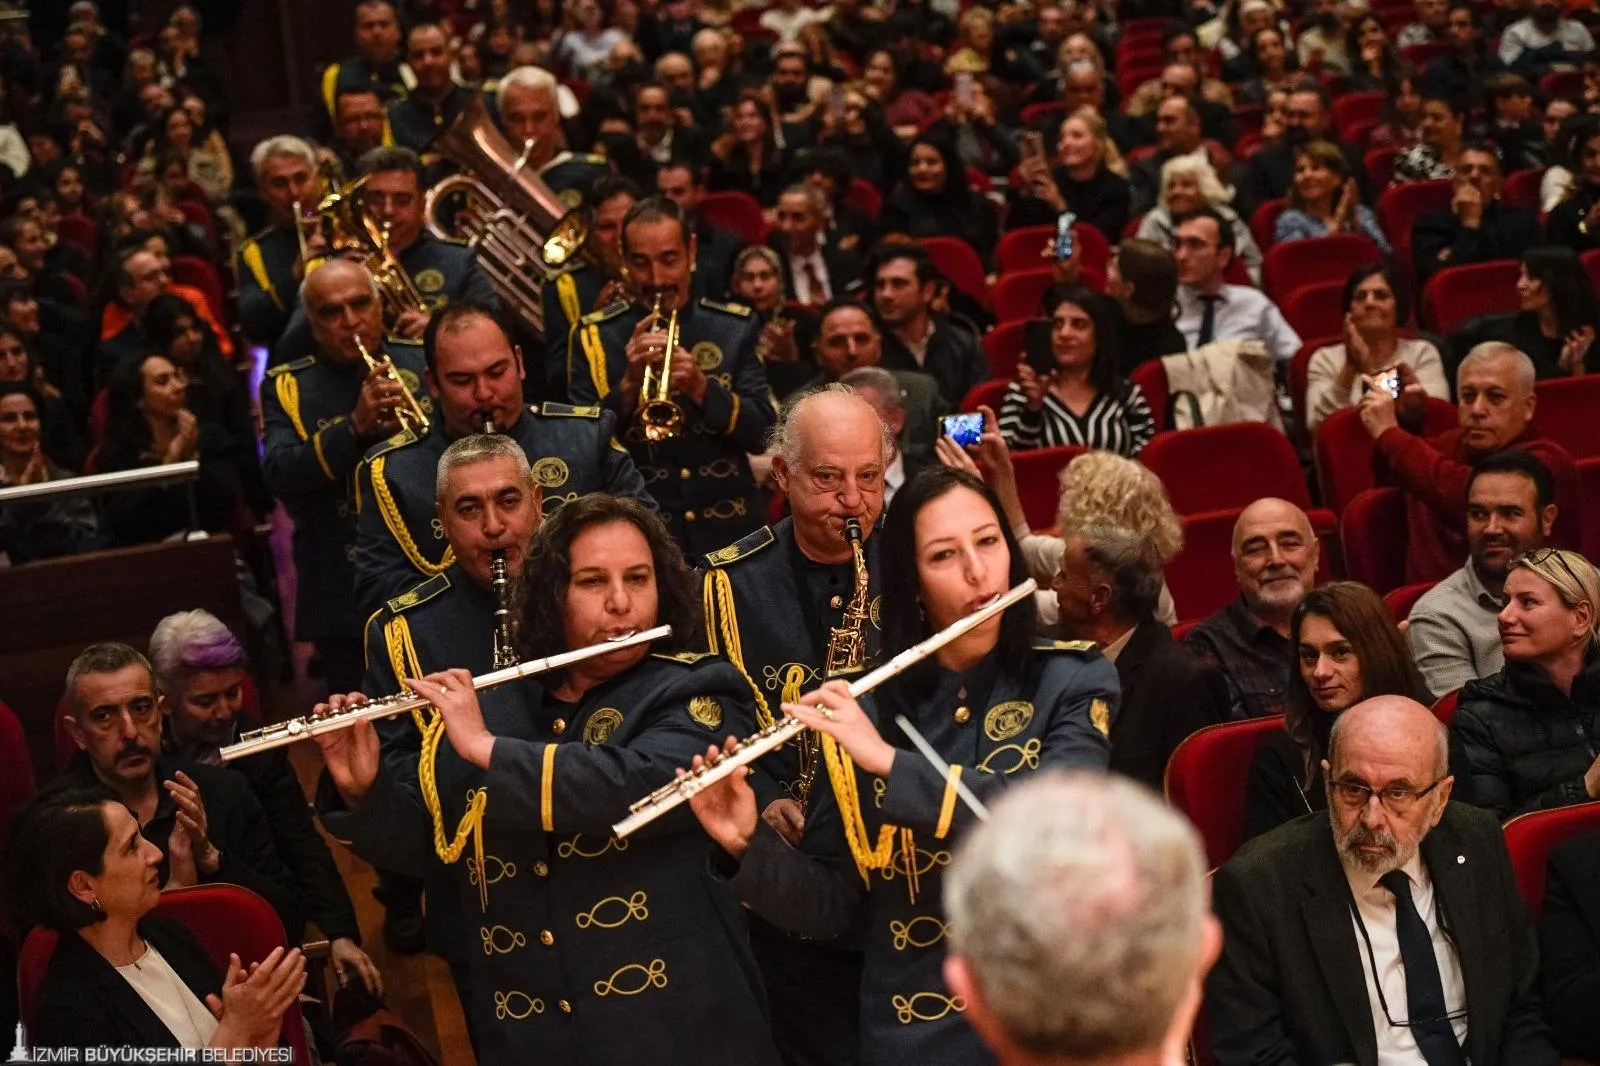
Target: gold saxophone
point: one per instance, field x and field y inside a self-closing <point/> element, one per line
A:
<point x="847" y="650"/>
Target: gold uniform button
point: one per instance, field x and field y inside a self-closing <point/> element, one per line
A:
<point x="963" y="715"/>
<point x="566" y="1008"/>
<point x="688" y="516"/>
<point x="541" y="869"/>
<point x="546" y="937"/>
<point x="558" y="726"/>
<point x="684" y="473"/>
<point x="836" y="603"/>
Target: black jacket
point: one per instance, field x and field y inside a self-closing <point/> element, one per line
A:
<point x="1438" y="240"/>
<point x="1527" y="746"/>
<point x="1103" y="202"/>
<point x="1150" y="723"/>
<point x="83" y="1002"/>
<point x="1289" y="986"/>
<point x="955" y="359"/>
<point x="1569" y="947"/>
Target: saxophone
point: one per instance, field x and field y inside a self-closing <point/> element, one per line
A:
<point x="847" y="650"/>
<point x="505" y="645"/>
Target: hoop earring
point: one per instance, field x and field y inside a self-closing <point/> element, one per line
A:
<point x="94" y="905"/>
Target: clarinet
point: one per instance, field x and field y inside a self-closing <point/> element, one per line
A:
<point x="505" y="644"/>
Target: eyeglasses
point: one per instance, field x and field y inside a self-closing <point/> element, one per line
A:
<point x="1539" y="556"/>
<point x="1395" y="800"/>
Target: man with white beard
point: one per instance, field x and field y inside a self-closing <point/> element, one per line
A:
<point x="1275" y="556"/>
<point x="1396" y="939"/>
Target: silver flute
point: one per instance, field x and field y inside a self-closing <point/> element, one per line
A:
<point x="675" y="793"/>
<point x="277" y="736"/>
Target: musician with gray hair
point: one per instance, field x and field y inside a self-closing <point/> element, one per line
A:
<point x="528" y="100"/>
<point x="1107" y="589"/>
<point x="268" y="265"/>
<point x="1080" y="925"/>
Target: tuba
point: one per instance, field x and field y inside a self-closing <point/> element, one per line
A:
<point x="523" y="233"/>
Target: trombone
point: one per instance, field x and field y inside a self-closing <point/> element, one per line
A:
<point x="409" y="411"/>
<point x="661" y="418"/>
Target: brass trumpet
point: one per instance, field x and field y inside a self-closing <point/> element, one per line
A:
<point x="660" y="417"/>
<point x="409" y="411"/>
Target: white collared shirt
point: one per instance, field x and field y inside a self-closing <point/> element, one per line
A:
<point x="1397" y="1045"/>
<point x="802" y="282"/>
<point x="1243" y="313"/>
<point x="894" y="476"/>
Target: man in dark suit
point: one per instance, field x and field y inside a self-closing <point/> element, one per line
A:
<point x="813" y="273"/>
<point x="1407" y="886"/>
<point x="683" y="181"/>
<point x="1106" y="591"/>
<point x="1478" y="226"/>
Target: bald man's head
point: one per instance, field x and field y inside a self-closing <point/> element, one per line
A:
<point x="831" y="450"/>
<point x="1388" y="779"/>
<point x="342" y="304"/>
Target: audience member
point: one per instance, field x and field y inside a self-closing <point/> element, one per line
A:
<point x="43" y="529"/>
<point x="883" y="390"/>
<point x="1455" y="628"/>
<point x="1187" y="184"/>
<point x="848" y="340"/>
<point x="1569" y="947"/>
<point x="1142" y="278"/>
<point x="935" y="200"/>
<point x="1338" y="375"/>
<point x="1210" y="309"/>
<point x="680" y="180"/>
<point x="1107" y="590"/>
<point x="61" y="441"/>
<point x="1557" y="317"/>
<point x="813" y="272"/>
<point x="1478" y="225"/>
<point x="1494" y="386"/>
<point x="1177" y="133"/>
<point x="749" y="159"/>
<point x="120" y="976"/>
<point x="1573" y="220"/>
<point x="1269" y="174"/>
<point x="1328" y="940"/>
<point x="1078" y="925"/>
<point x="1545" y="41"/>
<point x="973" y="128"/>
<point x="1528" y="732"/>
<point x="1459" y="74"/>
<point x="1088" y="179"/>
<point x="903" y="282"/>
<point x="1346" y="650"/>
<point x="1276" y="67"/>
<point x="1325" y="199"/>
<point x="1082" y="399"/>
<point x="1275" y="555"/>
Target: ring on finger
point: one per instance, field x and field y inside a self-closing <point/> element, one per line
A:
<point x="826" y="712"/>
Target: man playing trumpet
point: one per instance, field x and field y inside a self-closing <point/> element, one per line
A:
<point x="320" y="415"/>
<point x="592" y="949"/>
<point x="699" y="472"/>
<point x="269" y="266"/>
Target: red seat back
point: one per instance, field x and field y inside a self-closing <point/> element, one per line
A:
<point x="1420" y="55"/>
<point x="1353" y="109"/>
<point x="223" y="918"/>
<point x="1343" y="450"/>
<point x="1373" y="531"/>
<point x="1039" y="481"/>
<point x="1402" y="599"/>
<point x="960" y="265"/>
<point x="1289" y="266"/>
<point x="192" y="270"/>
<point x="1589" y="483"/>
<point x="1563" y="84"/>
<point x="1591" y="263"/>
<point x="1531" y="837"/>
<point x="1151" y="377"/>
<point x="1217" y="467"/>
<point x="988" y="394"/>
<point x="1004" y="346"/>
<point x="16" y="770"/>
<point x="1299" y="377"/>
<point x="737" y="211"/>
<point x="81" y="231"/>
<point x="1206" y="779"/>
<point x="1398" y="208"/>
<point x="1445" y="707"/>
<point x="1025" y="248"/>
<point x="1522" y="188"/>
<point x="1264" y="221"/>
<point x="1315" y="310"/>
<point x="1458" y="293"/>
<point x="1017" y="294"/>
<point x="1567" y="407"/>
<point x="1379" y="165"/>
<point x="1035" y="114"/>
<point x="864" y="195"/>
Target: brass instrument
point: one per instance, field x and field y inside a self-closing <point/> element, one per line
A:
<point x="660" y="417"/>
<point x="409" y="411"/>
<point x="764" y="341"/>
<point x="400" y="293"/>
<point x="349" y="231"/>
<point x="669" y="796"/>
<point x="284" y="733"/>
<point x="847" y="650"/>
<point x="505" y="643"/>
<point x="524" y="235"/>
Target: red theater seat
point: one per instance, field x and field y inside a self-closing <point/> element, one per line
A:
<point x="1567" y="411"/>
<point x="1039" y="482"/>
<point x="1373" y="531"/>
<point x="1214" y="468"/>
<point x="1206" y="780"/>
<point x="1531" y="837"/>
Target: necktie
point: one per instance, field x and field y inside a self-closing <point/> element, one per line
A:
<point x="814" y="288"/>
<point x="1425" y="1005"/>
<point x="1208" y="321"/>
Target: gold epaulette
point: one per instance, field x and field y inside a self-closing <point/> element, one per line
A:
<point x="739" y="549"/>
<point x="1079" y="646"/>
<point x="452" y="240"/>
<point x="291" y="368"/>
<point x="419" y="593"/>
<point x="399" y="440"/>
<point x="592" y="158"/>
<point x="731" y="308"/>
<point x="567" y="410"/>
<point x="611" y="310"/>
<point x="687" y="658"/>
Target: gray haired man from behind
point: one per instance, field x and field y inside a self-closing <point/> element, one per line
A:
<point x="1080" y="927"/>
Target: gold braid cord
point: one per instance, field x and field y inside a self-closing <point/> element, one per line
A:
<point x="842" y="775"/>
<point x="403" y="659"/>
<point x="397" y="524"/>
<point x="288" y="390"/>
<point x="719" y="603"/>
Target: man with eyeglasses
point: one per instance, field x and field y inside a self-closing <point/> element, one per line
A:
<point x="1397" y="938"/>
<point x="205" y="819"/>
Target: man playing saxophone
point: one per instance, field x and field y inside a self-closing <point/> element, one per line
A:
<point x="699" y="474"/>
<point x="587" y="949"/>
<point x="320" y="414"/>
<point x="775" y="601"/>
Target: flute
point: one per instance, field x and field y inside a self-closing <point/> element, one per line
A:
<point x="276" y="736"/>
<point x="680" y="791"/>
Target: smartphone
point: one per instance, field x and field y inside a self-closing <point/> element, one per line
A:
<point x="1390" y="383"/>
<point x="965" y="430"/>
<point x="1064" y="223"/>
<point x="1031" y="144"/>
<point x="1038" y="352"/>
<point x="963" y="85"/>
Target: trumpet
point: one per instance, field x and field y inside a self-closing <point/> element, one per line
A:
<point x="661" y="418"/>
<point x="685" y="788"/>
<point x="284" y="733"/>
<point x="409" y="411"/>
